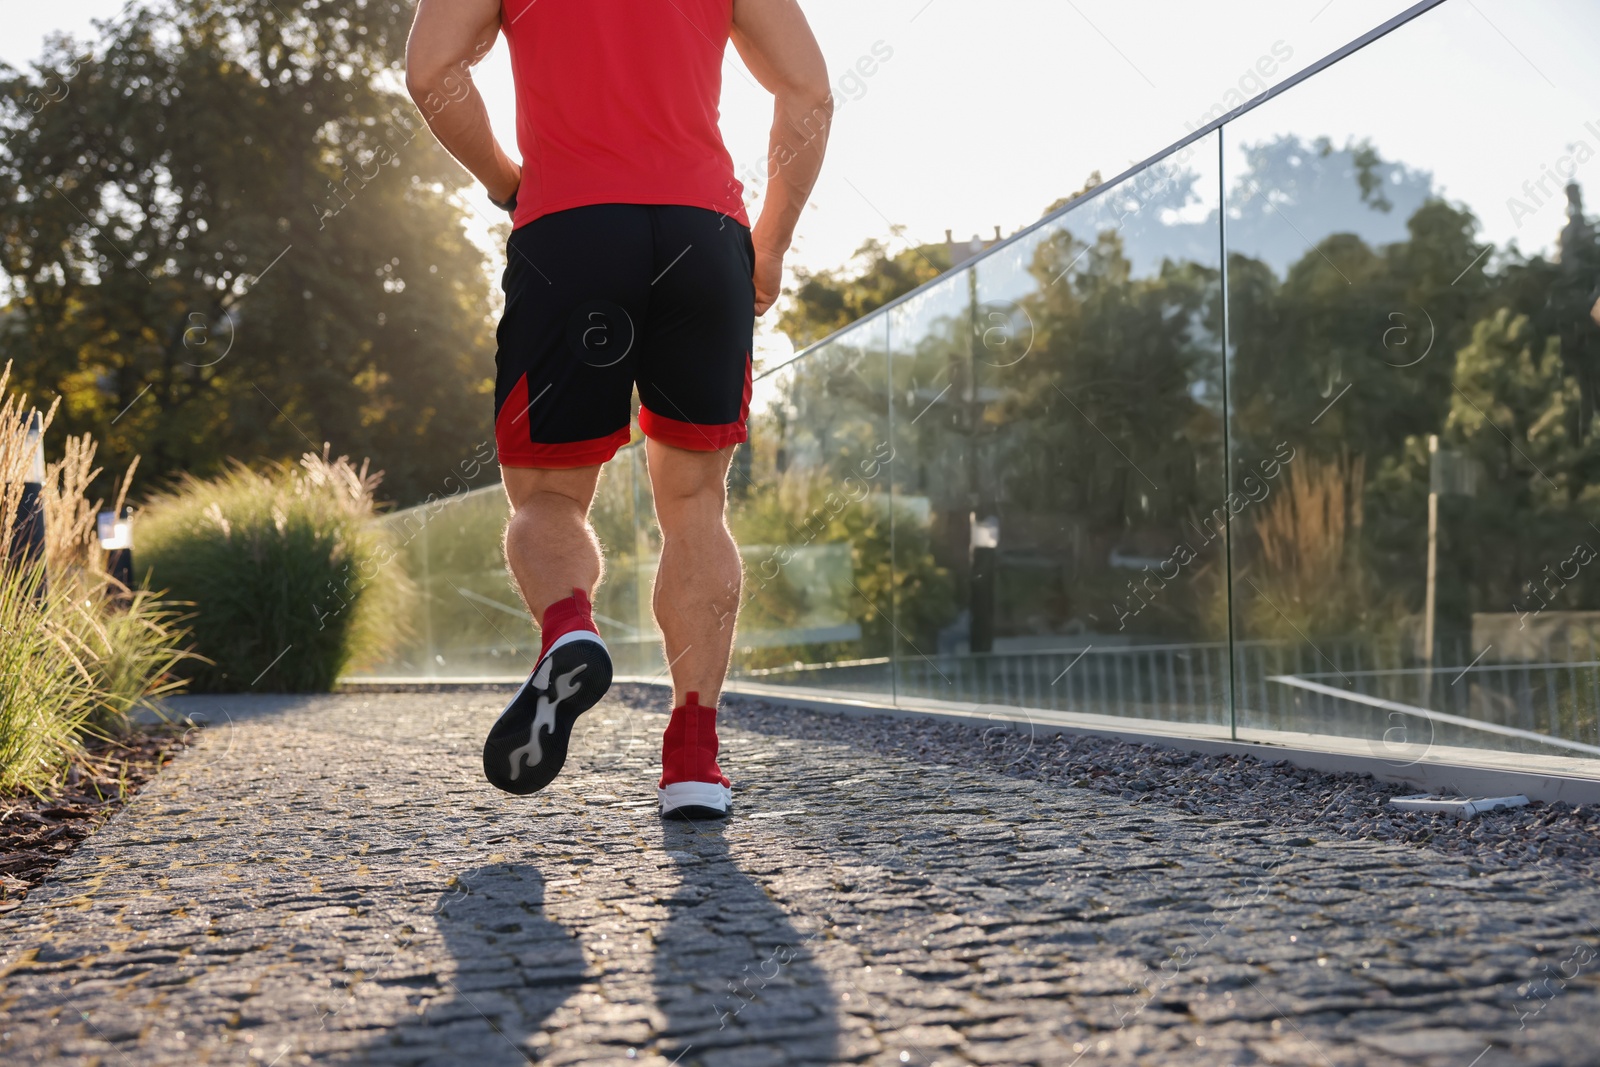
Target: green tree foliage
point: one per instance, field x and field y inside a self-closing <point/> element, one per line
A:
<point x="1342" y="315"/>
<point x="1516" y="411"/>
<point x="827" y="300"/>
<point x="1377" y="320"/>
<point x="1367" y="350"/>
<point x="815" y="521"/>
<point x="225" y="233"/>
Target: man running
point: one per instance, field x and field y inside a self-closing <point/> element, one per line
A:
<point x="631" y="262"/>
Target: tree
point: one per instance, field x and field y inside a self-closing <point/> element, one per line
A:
<point x="230" y="236"/>
<point x="828" y="300"/>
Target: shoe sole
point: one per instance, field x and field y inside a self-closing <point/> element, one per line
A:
<point x="527" y="746"/>
<point x="695" y="800"/>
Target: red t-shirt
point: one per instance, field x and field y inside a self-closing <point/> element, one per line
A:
<point x="617" y="104"/>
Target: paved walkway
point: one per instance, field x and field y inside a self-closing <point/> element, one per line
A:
<point x="328" y="880"/>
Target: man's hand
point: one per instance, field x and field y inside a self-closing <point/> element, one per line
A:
<point x="505" y="187"/>
<point x="768" y="276"/>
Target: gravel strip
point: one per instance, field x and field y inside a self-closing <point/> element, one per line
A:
<point x="1235" y="788"/>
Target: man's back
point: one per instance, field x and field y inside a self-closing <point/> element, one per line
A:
<point x="617" y="102"/>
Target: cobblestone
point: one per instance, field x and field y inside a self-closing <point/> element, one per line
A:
<point x="328" y="880"/>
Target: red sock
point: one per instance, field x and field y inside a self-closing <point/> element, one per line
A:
<point x="565" y="616"/>
<point x="689" y="746"/>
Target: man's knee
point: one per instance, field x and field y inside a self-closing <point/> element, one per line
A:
<point x="540" y="502"/>
<point x="694" y="511"/>
<point x="545" y="490"/>
<point x="688" y="486"/>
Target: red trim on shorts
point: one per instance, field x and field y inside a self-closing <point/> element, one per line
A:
<point x="513" y="449"/>
<point x="700" y="437"/>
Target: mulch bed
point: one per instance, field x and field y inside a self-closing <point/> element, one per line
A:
<point x="38" y="833"/>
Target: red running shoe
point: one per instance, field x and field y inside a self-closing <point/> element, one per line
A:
<point x="692" y="786"/>
<point x="527" y="746"/>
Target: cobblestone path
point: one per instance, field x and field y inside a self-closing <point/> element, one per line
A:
<point x="329" y="880"/>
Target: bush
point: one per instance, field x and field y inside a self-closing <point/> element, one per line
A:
<point x="78" y="653"/>
<point x="130" y="653"/>
<point x="290" y="579"/>
<point x="45" y="697"/>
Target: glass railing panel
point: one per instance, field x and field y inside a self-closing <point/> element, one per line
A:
<point x="1059" y="454"/>
<point x="809" y="506"/>
<point x="465" y="620"/>
<point x="927" y="353"/>
<point x="1014" y="488"/>
<point x="623" y="517"/>
<point x="1414" y="377"/>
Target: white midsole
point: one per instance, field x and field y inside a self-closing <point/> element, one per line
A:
<point x="564" y="639"/>
<point x="575" y="635"/>
<point x="712" y="795"/>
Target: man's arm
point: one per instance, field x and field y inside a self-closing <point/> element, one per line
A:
<point x="776" y="43"/>
<point x="447" y="39"/>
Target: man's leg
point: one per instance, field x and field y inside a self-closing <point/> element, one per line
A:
<point x="555" y="557"/>
<point x="550" y="546"/>
<point x="697" y="584"/>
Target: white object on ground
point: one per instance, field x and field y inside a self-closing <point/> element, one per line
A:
<point x="1463" y="807"/>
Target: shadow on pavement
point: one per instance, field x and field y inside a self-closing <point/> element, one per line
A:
<point x="738" y="984"/>
<point x="513" y="968"/>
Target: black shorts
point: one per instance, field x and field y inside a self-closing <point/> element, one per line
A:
<point x="602" y="297"/>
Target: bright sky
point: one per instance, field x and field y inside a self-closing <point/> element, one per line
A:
<point x="985" y="112"/>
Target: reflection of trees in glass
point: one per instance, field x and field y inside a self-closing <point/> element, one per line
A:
<point x="1135" y="360"/>
<point x="1367" y="348"/>
<point x="829" y="300"/>
<point x="819" y="476"/>
<point x="1331" y="358"/>
<point x="1539" y="497"/>
<point x="1345" y="190"/>
<point x="1312" y="577"/>
<point x="451" y="550"/>
<point x="623" y="518"/>
<point x="1100" y="451"/>
<point x="786" y="522"/>
<point x="1100" y="442"/>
